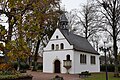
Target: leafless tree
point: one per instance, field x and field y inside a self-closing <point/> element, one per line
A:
<point x="110" y="10"/>
<point x="71" y="16"/>
<point x="88" y="19"/>
<point x="95" y="39"/>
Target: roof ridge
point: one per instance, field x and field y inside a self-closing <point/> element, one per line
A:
<point x="75" y="34"/>
<point x="78" y="35"/>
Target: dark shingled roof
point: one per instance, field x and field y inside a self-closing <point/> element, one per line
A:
<point x="63" y="18"/>
<point x="79" y="43"/>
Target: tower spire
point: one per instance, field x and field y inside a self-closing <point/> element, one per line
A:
<point x="63" y="21"/>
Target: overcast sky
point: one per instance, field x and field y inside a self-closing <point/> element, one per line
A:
<point x="72" y="4"/>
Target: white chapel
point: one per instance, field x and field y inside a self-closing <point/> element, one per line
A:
<point x="69" y="53"/>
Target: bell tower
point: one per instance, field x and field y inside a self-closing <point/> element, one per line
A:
<point x="63" y="21"/>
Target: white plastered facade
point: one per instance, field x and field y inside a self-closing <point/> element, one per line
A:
<point x="49" y="56"/>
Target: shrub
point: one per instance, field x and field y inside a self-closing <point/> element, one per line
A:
<point x="40" y="67"/>
<point x="23" y="66"/>
<point x="9" y="72"/>
<point x="15" y="65"/>
<point x="4" y="66"/>
<point x="110" y="68"/>
<point x="6" y="73"/>
<point x="16" y="77"/>
<point x="33" y="63"/>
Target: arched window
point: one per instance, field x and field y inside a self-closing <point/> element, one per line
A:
<point x="62" y="46"/>
<point x="57" y="47"/>
<point x="57" y="37"/>
<point x="68" y="57"/>
<point x="52" y="46"/>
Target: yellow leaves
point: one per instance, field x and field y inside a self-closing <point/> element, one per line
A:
<point x="23" y="55"/>
<point x="45" y="1"/>
<point x="26" y="27"/>
<point x="11" y="3"/>
<point x="17" y="49"/>
<point x="28" y="18"/>
<point x="10" y="45"/>
<point x="3" y="31"/>
<point x="13" y="55"/>
<point x="1" y="46"/>
<point x="10" y="54"/>
<point x="16" y="3"/>
<point x="4" y="66"/>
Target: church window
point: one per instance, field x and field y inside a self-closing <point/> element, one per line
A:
<point x="83" y="58"/>
<point x="68" y="57"/>
<point x="57" y="37"/>
<point x="92" y="59"/>
<point x="52" y="46"/>
<point x="80" y="58"/>
<point x="57" y="47"/>
<point x="62" y="46"/>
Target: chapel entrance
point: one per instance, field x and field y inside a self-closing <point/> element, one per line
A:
<point x="57" y="66"/>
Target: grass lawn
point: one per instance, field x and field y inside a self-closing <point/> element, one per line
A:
<point x="101" y="76"/>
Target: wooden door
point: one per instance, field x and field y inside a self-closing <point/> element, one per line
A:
<point x="57" y="66"/>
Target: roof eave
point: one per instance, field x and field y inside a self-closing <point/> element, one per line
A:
<point x="96" y="53"/>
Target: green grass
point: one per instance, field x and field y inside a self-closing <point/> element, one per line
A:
<point x="101" y="76"/>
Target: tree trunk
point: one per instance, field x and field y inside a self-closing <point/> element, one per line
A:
<point x="9" y="36"/>
<point x="116" y="73"/>
<point x="18" y="67"/>
<point x="110" y="58"/>
<point x="36" y="55"/>
<point x="86" y="33"/>
<point x="9" y="29"/>
<point x="86" y="26"/>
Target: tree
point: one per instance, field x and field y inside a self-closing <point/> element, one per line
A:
<point x="111" y="18"/>
<point x="27" y="21"/>
<point x="119" y="57"/>
<point x="95" y="40"/>
<point x="2" y="33"/>
<point x="72" y="18"/>
<point x="88" y="19"/>
<point x="47" y="20"/>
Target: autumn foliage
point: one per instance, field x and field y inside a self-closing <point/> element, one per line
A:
<point x="5" y="66"/>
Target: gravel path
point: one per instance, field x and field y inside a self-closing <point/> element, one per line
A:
<point x="48" y="76"/>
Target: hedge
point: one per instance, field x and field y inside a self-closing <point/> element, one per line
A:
<point x="23" y="66"/>
<point x="16" y="77"/>
<point x="110" y="68"/>
<point x="39" y="67"/>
